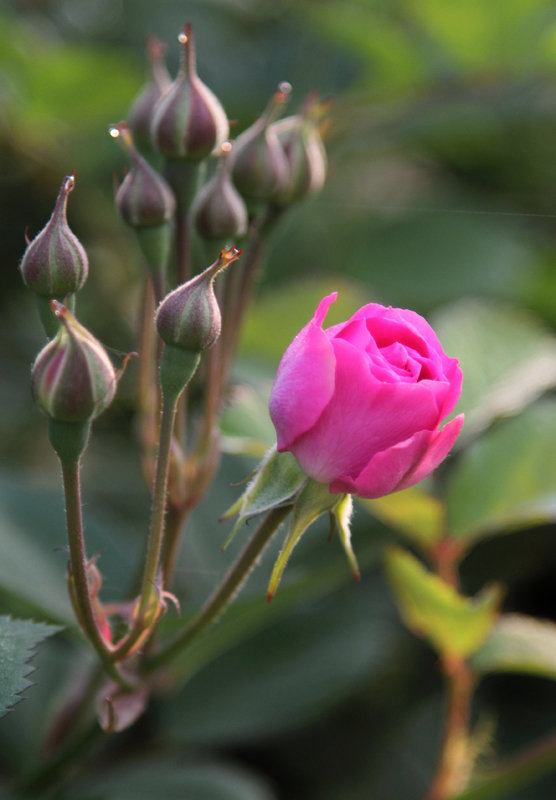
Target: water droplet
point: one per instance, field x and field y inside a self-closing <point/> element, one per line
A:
<point x="285" y="87"/>
<point x="226" y="147"/>
<point x="182" y="38"/>
<point x="114" y="132"/>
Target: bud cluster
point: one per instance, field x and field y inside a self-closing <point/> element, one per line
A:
<point x="182" y="128"/>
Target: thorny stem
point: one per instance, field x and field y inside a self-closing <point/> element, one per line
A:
<point x="223" y="595"/>
<point x="78" y="562"/>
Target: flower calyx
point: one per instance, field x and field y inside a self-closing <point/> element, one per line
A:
<point x="72" y="381"/>
<point x="219" y="212"/>
<point x="260" y="167"/>
<point x="280" y="482"/>
<point x="189" y="121"/>
<point x="189" y="322"/>
<point x="144" y="198"/>
<point x="142" y="109"/>
<point x="302" y="144"/>
<point x="55" y="263"/>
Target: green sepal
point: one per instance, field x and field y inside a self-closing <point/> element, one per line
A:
<point x="341" y="514"/>
<point x="275" y="482"/>
<point x="313" y="500"/>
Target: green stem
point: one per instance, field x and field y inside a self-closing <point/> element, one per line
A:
<point x="152" y="561"/>
<point x="43" y="778"/>
<point x="175" y="522"/>
<point x="78" y="561"/>
<point x="156" y="532"/>
<point x="220" y="599"/>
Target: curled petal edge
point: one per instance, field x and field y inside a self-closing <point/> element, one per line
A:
<point x="402" y="465"/>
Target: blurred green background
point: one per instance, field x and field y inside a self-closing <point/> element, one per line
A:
<point x="442" y="157"/>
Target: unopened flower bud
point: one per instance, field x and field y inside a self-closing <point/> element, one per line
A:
<point x="260" y="167"/>
<point x="142" y="109"/>
<point x="55" y="263"/>
<point x="300" y="139"/>
<point x="72" y="379"/>
<point x="219" y="211"/>
<point x="146" y="202"/>
<point x="189" y="122"/>
<point x="144" y="197"/>
<point x="189" y="317"/>
<point x="188" y="321"/>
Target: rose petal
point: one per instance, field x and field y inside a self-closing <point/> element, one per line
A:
<point x="440" y="444"/>
<point x="403" y="465"/>
<point x="364" y="417"/>
<point x="304" y="382"/>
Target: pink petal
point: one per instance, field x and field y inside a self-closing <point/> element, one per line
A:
<point x="365" y="416"/>
<point x="404" y="464"/>
<point x="304" y="382"/>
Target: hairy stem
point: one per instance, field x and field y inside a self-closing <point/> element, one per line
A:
<point x="222" y="596"/>
<point x="78" y="562"/>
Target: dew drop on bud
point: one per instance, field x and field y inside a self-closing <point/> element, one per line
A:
<point x="182" y="38"/>
<point x="114" y="132"/>
<point x="285" y="87"/>
<point x="226" y="147"/>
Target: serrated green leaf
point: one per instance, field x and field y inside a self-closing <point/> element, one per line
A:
<point x="507" y="356"/>
<point x="455" y="625"/>
<point x="18" y="642"/>
<point x="518" y="643"/>
<point x="507" y="479"/>
<point x="277" y="479"/>
<point x="415" y="514"/>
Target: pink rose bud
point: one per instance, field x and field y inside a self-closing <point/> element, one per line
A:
<point x="260" y="168"/>
<point x="189" y="317"/>
<point x="189" y="122"/>
<point x="55" y="263"/>
<point x="72" y="379"/>
<point x="142" y="109"/>
<point x="144" y="198"/>
<point x="359" y="404"/>
<point x="219" y="212"/>
<point x="300" y="139"/>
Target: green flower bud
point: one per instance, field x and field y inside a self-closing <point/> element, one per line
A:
<point x="144" y="197"/>
<point x="55" y="263"/>
<point x="189" y="122"/>
<point x="260" y="167"/>
<point x="189" y="317"/>
<point x="72" y="379"/>
<point x="219" y="211"/>
<point x="142" y="109"/>
<point x="302" y="144"/>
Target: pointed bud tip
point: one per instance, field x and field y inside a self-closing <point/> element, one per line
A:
<point x="185" y="33"/>
<point x="156" y="48"/>
<point x="58" y="309"/>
